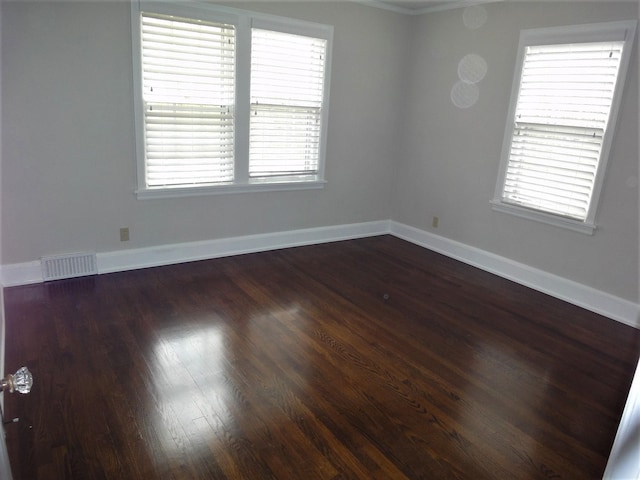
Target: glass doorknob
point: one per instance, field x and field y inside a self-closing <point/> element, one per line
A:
<point x="21" y="381"/>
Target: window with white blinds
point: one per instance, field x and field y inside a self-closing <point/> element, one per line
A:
<point x="561" y="116"/>
<point x="227" y="100"/>
<point x="188" y="90"/>
<point x="287" y="91"/>
<point x="562" y="120"/>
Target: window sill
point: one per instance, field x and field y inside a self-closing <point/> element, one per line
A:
<point x="549" y="219"/>
<point x="253" y="186"/>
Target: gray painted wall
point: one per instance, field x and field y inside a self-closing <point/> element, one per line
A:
<point x="68" y="178"/>
<point x="449" y="163"/>
<point x="397" y="146"/>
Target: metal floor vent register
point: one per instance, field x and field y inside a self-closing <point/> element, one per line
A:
<point x="58" y="267"/>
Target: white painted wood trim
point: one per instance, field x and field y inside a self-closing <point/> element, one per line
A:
<point x="122" y="260"/>
<point x="624" y="460"/>
<point x="3" y="333"/>
<point x="616" y="308"/>
<point x="439" y="7"/>
<point x="223" y="247"/>
<point x="21" y="273"/>
<point x="5" y="467"/>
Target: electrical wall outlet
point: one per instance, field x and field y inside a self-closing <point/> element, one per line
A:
<point x="124" y="234"/>
<point x="434" y="222"/>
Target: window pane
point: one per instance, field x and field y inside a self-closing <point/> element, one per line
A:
<point x="564" y="105"/>
<point x="188" y="93"/>
<point x="287" y="87"/>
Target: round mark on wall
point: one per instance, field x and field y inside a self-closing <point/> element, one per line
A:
<point x="464" y="95"/>
<point x="474" y="17"/>
<point x="472" y="68"/>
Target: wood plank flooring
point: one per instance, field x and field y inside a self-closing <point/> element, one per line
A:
<point x="363" y="359"/>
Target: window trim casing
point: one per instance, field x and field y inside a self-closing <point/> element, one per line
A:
<point x="594" y="32"/>
<point x="244" y="21"/>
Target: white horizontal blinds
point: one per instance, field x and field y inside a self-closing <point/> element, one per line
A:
<point x="188" y="69"/>
<point x="564" y="103"/>
<point x="287" y="80"/>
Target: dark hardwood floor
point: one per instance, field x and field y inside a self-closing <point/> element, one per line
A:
<point x="367" y="359"/>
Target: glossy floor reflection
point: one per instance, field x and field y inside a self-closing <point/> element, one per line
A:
<point x="363" y="359"/>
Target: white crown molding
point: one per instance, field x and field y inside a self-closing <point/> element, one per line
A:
<point x="385" y="6"/>
<point x="452" y="6"/>
<point x="438" y="7"/>
<point x="616" y="308"/>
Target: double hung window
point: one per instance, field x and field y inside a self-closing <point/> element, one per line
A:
<point x="227" y="100"/>
<point x="287" y="75"/>
<point x="565" y="98"/>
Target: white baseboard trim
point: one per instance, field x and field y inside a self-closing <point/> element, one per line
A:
<point x="589" y="298"/>
<point x="586" y="297"/>
<point x="122" y="260"/>
<point x="21" y="274"/>
<point x="224" y="247"/>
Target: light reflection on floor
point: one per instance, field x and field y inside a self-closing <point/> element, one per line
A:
<point x="186" y="415"/>
<point x="487" y="359"/>
<point x="192" y="369"/>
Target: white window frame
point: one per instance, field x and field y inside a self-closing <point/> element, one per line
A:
<point x="243" y="21"/>
<point x="600" y="32"/>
